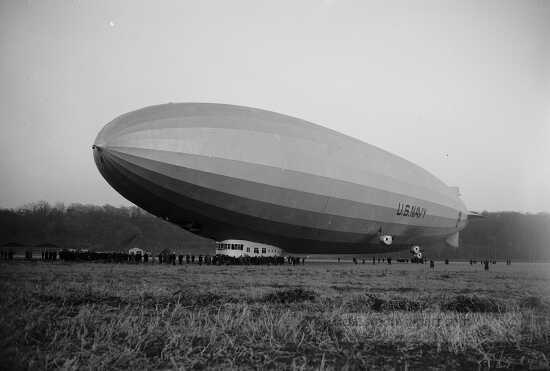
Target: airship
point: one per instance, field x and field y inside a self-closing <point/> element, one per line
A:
<point x="230" y="172"/>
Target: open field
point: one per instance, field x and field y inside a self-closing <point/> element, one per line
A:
<point x="321" y="316"/>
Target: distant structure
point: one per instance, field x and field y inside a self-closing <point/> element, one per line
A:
<point x="135" y="251"/>
<point x="237" y="173"/>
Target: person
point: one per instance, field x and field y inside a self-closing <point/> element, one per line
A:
<point x="338" y="259"/>
<point x="192" y="258"/>
<point x="432" y="264"/>
<point x="187" y="259"/>
<point x="180" y="259"/>
<point x="446" y="261"/>
<point x="486" y="265"/>
<point x="373" y="260"/>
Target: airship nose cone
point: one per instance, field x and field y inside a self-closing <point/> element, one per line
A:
<point x="100" y="147"/>
<point x="107" y="139"/>
<point x="98" y="157"/>
<point x="101" y="139"/>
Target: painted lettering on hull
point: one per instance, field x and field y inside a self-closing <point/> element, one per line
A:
<point x="412" y="211"/>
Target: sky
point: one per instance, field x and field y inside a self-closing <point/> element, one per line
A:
<point x="461" y="88"/>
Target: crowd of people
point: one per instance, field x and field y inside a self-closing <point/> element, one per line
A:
<point x="180" y="259"/>
<point x="165" y="258"/>
<point x="6" y="254"/>
<point x="66" y="255"/>
<point x="387" y="260"/>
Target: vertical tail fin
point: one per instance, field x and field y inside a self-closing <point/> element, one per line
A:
<point x="452" y="240"/>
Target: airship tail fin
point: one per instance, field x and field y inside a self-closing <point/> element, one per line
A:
<point x="475" y="215"/>
<point x="452" y="240"/>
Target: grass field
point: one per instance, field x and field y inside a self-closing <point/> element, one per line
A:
<point x="317" y="316"/>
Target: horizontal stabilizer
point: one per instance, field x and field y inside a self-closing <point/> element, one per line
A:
<point x="475" y="215"/>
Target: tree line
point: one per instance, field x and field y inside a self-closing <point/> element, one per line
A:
<point x="499" y="235"/>
<point x="98" y="228"/>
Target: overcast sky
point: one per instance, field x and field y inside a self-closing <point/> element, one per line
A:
<point x="460" y="88"/>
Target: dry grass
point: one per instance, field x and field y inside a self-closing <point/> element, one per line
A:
<point x="320" y="316"/>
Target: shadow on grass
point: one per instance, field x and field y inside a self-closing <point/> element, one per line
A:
<point x="371" y="302"/>
<point x="534" y="303"/>
<point x="473" y="304"/>
<point x="458" y="303"/>
<point x="296" y="295"/>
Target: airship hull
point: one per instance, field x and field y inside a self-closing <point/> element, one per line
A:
<point x="230" y="172"/>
